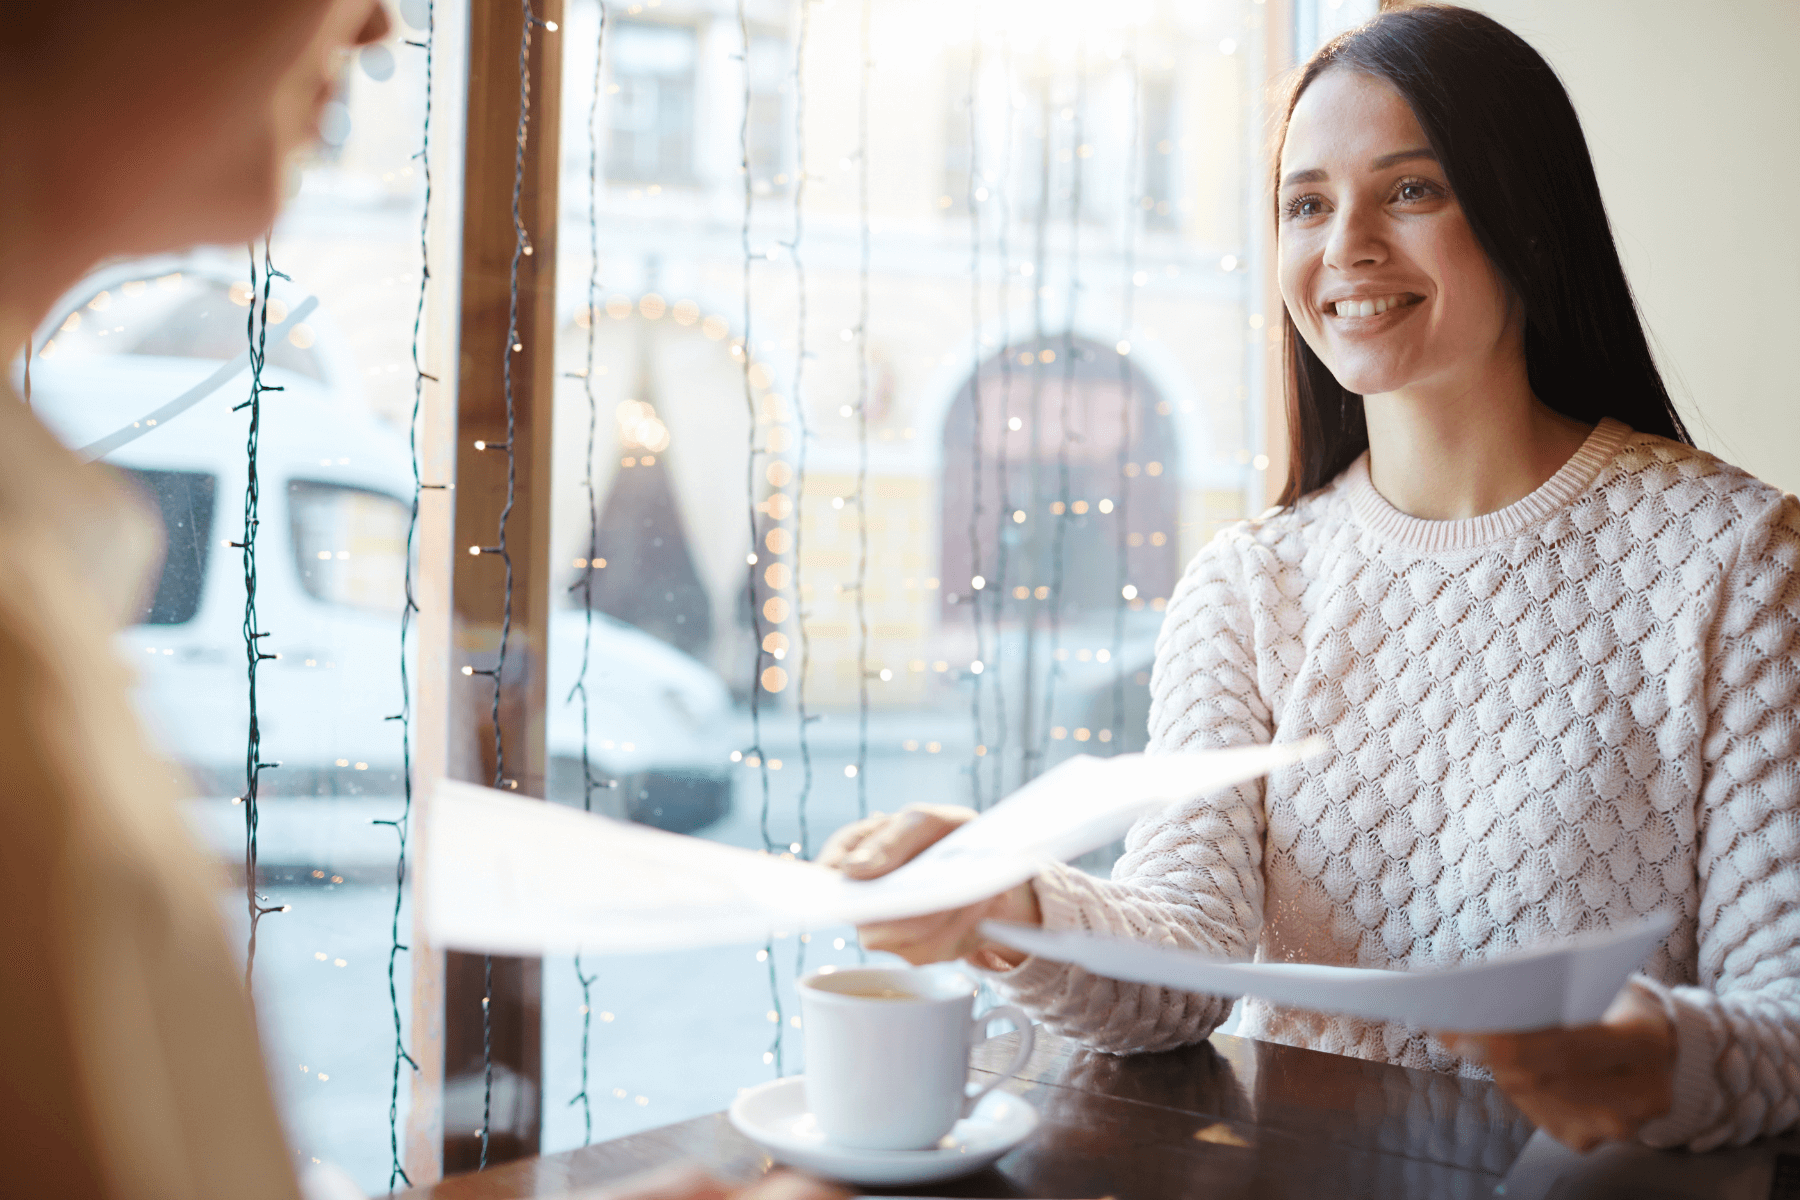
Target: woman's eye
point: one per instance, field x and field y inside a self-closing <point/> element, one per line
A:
<point x="1303" y="207"/>
<point x="1414" y="190"/>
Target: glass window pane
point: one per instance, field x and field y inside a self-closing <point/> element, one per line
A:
<point x="349" y="544"/>
<point x="652" y="101"/>
<point x="1101" y="328"/>
<point x="184" y="500"/>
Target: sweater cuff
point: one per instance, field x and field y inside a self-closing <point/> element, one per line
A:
<point x="1696" y="1085"/>
<point x="1036" y="982"/>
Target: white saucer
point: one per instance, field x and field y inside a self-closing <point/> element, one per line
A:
<point x="774" y="1116"/>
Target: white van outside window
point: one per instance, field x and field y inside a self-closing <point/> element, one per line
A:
<point x="349" y="544"/>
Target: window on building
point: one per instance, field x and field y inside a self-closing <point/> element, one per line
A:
<point x="771" y="115"/>
<point x="653" y="67"/>
<point x="1160" y="162"/>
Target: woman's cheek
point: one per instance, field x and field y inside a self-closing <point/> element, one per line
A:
<point x="1293" y="290"/>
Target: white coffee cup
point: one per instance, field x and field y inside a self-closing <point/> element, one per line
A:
<point x="887" y="1053"/>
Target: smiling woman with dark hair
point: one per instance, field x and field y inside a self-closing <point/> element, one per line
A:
<point x="1554" y="648"/>
<point x="1493" y="117"/>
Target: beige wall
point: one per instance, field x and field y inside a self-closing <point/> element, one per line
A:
<point x="1692" y="110"/>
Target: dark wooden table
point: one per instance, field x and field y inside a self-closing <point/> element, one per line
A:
<point x="1228" y="1118"/>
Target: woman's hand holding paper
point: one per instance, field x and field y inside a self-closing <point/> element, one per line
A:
<point x="880" y="843"/>
<point x="1590" y="1083"/>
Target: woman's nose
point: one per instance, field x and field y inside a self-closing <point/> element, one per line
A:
<point x="1355" y="239"/>
<point x="376" y="27"/>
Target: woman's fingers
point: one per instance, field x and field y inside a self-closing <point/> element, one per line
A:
<point x="878" y="844"/>
<point x="839" y="845"/>
<point x="1586" y="1084"/>
<point x="934" y="937"/>
<point x="940" y="936"/>
<point x="899" y="838"/>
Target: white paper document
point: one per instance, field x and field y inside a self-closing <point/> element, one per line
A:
<point x="1569" y="983"/>
<point x="507" y="875"/>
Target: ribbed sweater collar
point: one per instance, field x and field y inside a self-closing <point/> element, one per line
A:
<point x="1388" y="522"/>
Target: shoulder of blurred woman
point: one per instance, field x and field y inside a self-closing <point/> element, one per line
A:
<point x="138" y="1021"/>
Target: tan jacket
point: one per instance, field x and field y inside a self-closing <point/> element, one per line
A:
<point x="129" y="1065"/>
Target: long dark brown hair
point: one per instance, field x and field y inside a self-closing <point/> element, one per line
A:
<point x="1512" y="149"/>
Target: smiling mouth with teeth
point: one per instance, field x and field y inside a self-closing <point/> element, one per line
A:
<point x="1374" y="306"/>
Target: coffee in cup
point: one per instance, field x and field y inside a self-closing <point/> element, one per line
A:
<point x="887" y="1053"/>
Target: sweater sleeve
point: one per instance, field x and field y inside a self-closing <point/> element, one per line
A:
<point x="1738" y="1031"/>
<point x="1191" y="876"/>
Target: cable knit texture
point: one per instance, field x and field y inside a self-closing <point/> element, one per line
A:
<point x="1550" y="719"/>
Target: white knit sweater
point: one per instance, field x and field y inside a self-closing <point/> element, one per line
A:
<point x="1553" y="718"/>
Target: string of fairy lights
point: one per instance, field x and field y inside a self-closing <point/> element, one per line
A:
<point x="522" y="248"/>
<point x="402" y="825"/>
<point x="1003" y="532"/>
<point x="762" y="646"/>
<point x="1127" y="395"/>
<point x="978" y="440"/>
<point x="866" y="66"/>
<point x="803" y="848"/>
<point x="1060" y="509"/>
<point x="993" y="515"/>
<point x="255" y="654"/>
<point x="992" y="518"/>
<point x="590" y="563"/>
<point x="1030" y="755"/>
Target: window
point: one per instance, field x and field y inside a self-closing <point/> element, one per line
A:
<point x="1053" y="497"/>
<point x="752" y="585"/>
<point x="349" y="544"/>
<point x="157" y="310"/>
<point x="1157" y="146"/>
<point x="731" y="582"/>
<point x="653" y="68"/>
<point x="771" y="119"/>
<point x="184" y="500"/>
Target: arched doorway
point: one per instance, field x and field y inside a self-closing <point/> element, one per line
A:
<point x="651" y="581"/>
<point x="670" y="428"/>
<point x="1058" y="548"/>
<point x="1069" y="452"/>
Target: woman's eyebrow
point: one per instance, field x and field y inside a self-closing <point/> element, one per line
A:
<point x="1319" y="174"/>
<point x="1400" y="156"/>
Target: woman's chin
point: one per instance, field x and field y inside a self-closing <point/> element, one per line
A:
<point x="1369" y="379"/>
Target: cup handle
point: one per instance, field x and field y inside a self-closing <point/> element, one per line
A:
<point x="978" y="1029"/>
